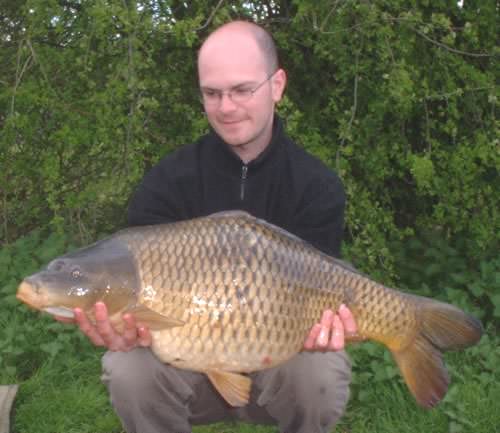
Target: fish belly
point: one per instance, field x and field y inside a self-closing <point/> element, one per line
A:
<point x="229" y="342"/>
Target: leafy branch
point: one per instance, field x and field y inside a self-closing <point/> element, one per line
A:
<point x="448" y="48"/>
<point x="20" y="70"/>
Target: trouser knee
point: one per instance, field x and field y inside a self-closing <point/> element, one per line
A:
<point x="309" y="393"/>
<point x="128" y="374"/>
<point x="147" y="395"/>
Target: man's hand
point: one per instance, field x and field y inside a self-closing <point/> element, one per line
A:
<point x="103" y="334"/>
<point x="331" y="332"/>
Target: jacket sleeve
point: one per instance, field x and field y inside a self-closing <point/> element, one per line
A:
<point x="155" y="201"/>
<point x="319" y="218"/>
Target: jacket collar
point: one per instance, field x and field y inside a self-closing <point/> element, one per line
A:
<point x="227" y="160"/>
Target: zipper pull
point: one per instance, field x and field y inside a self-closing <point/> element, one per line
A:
<point x="244" y="170"/>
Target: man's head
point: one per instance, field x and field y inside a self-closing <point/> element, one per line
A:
<point x="238" y="57"/>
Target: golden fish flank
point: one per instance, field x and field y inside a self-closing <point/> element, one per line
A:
<point x="229" y="294"/>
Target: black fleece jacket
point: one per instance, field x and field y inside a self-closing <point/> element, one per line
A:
<point x="284" y="185"/>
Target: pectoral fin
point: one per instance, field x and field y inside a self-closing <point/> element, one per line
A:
<point x="234" y="387"/>
<point x="154" y="321"/>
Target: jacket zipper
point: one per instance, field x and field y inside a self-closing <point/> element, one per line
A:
<point x="244" y="170"/>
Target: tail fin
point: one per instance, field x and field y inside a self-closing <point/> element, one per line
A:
<point x="442" y="327"/>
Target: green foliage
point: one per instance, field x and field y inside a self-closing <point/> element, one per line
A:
<point x="57" y="366"/>
<point x="399" y="97"/>
<point x="27" y="341"/>
<point x="431" y="265"/>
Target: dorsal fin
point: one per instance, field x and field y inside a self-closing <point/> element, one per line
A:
<point x="235" y="213"/>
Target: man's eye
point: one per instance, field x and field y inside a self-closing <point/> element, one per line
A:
<point x="241" y="91"/>
<point x="209" y="93"/>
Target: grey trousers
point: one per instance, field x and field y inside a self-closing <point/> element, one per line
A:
<point x="307" y="394"/>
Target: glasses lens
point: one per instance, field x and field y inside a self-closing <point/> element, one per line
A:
<point x="240" y="95"/>
<point x="210" y="97"/>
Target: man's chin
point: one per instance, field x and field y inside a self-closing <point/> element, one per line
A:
<point x="233" y="140"/>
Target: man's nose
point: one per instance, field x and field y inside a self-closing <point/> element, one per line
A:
<point x="226" y="103"/>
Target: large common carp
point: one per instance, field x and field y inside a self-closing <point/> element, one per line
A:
<point x="229" y="294"/>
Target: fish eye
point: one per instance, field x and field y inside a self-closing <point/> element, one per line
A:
<point x="76" y="273"/>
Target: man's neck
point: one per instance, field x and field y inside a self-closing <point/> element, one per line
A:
<point x="247" y="152"/>
<point x="250" y="151"/>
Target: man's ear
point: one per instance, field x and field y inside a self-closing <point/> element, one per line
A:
<point x="278" y="84"/>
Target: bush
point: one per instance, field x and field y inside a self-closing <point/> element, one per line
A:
<point x="398" y="97"/>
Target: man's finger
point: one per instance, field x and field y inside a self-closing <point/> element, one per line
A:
<point x="311" y="338"/>
<point x="87" y="328"/>
<point x="104" y="328"/>
<point x="348" y="321"/>
<point x="326" y="326"/>
<point x="337" y="341"/>
<point x="145" y="339"/>
<point x="130" y="331"/>
<point x="327" y="318"/>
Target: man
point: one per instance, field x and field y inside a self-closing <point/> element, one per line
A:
<point x="247" y="162"/>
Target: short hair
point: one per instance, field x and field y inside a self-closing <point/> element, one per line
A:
<point x="266" y="43"/>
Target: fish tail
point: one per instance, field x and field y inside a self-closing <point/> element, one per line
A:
<point x="442" y="327"/>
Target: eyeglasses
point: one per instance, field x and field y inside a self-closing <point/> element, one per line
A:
<point x="238" y="94"/>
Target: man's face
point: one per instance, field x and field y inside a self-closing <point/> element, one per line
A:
<point x="230" y="60"/>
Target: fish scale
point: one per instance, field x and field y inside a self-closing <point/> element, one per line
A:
<point x="229" y="294"/>
<point x="292" y="266"/>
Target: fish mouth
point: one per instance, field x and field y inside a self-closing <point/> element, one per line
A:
<point x="31" y="296"/>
